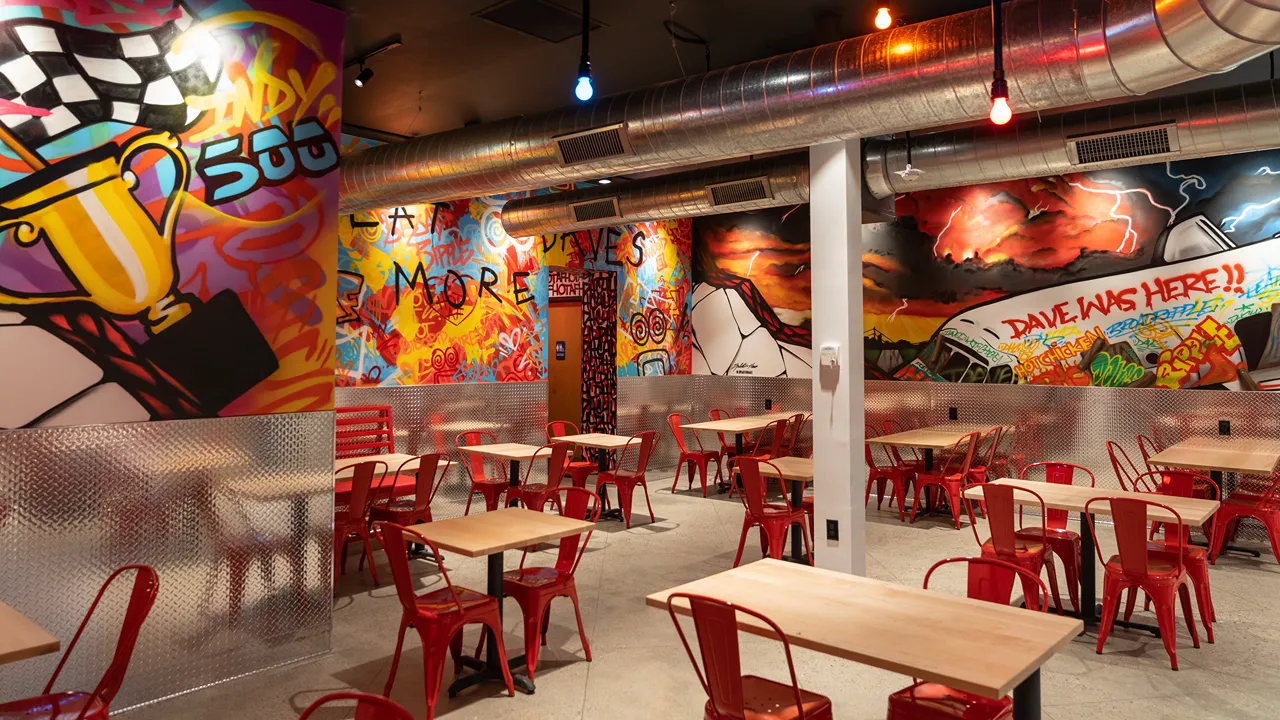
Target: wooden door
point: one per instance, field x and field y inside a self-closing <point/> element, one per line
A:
<point x="564" y="376"/>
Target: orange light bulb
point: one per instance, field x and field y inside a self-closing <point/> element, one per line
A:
<point x="1001" y="113"/>
<point x="883" y="18"/>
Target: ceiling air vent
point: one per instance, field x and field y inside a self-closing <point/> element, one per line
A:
<point x="739" y="191"/>
<point x="594" y="144"/>
<point x="593" y="210"/>
<point x="1123" y="144"/>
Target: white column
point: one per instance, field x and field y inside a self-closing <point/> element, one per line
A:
<point x="835" y="211"/>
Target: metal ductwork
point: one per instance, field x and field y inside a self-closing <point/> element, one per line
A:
<point x="1057" y="53"/>
<point x="782" y="180"/>
<point x="1241" y="118"/>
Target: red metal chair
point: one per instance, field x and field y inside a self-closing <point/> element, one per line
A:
<point x="776" y="432"/>
<point x="1184" y="483"/>
<point x="533" y="495"/>
<point x="367" y="707"/>
<point x="1148" y="447"/>
<point x="579" y="467"/>
<point x="490" y="486"/>
<point x="1127" y="472"/>
<point x="727" y="449"/>
<point x="1160" y="575"/>
<point x="913" y="461"/>
<point x="1029" y="550"/>
<point x="1063" y="543"/>
<point x="1255" y="497"/>
<point x="353" y="523"/>
<point x="899" y="476"/>
<point x="438" y="616"/>
<point x="693" y="459"/>
<point x="985" y="457"/>
<point x="773" y="520"/>
<point x="94" y="705"/>
<point x="954" y="476"/>
<point x="535" y="587"/>
<point x="405" y="511"/>
<point x="991" y="581"/>
<point x="797" y="423"/>
<point x="730" y="694"/>
<point x="625" y="481"/>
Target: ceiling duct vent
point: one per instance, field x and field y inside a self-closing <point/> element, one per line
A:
<point x="739" y="191"/>
<point x="594" y="144"/>
<point x="595" y="210"/>
<point x="1123" y="144"/>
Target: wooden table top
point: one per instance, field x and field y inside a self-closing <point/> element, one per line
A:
<point x="602" y="441"/>
<point x="799" y="469"/>
<point x="738" y="424"/>
<point x="936" y="437"/>
<point x="506" y="451"/>
<point x="1194" y="511"/>
<point x="1226" y="453"/>
<point x="21" y="639"/>
<point x="404" y="462"/>
<point x="893" y="627"/>
<point x="492" y="532"/>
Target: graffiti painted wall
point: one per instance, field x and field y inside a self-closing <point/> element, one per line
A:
<point x="751" y="305"/>
<point x="439" y="293"/>
<point x="1164" y="276"/>
<point x="168" y="209"/>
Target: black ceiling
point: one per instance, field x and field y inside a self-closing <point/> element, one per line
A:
<point x="468" y="69"/>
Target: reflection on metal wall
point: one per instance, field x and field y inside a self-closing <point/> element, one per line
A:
<point x="428" y="418"/>
<point x="644" y="404"/>
<point x="203" y="501"/>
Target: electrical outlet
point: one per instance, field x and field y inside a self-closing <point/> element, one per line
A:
<point x="953" y="413"/>
<point x="1224" y="427"/>
<point x="833" y="530"/>
<point x="768" y="403"/>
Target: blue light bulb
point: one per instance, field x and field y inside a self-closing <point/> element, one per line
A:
<point x="583" y="90"/>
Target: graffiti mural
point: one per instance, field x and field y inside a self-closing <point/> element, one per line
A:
<point x="751" y="307"/>
<point x="599" y="351"/>
<point x="1163" y="276"/>
<point x="439" y="293"/>
<point x="168" y="195"/>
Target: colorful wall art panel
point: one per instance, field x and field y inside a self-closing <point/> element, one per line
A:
<point x="751" y="306"/>
<point x="168" y="208"/>
<point x="1162" y="276"/>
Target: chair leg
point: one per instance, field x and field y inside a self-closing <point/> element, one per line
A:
<point x="702" y="474"/>
<point x="395" y="659"/>
<point x="1071" y="567"/>
<point x="1167" y="623"/>
<point x="742" y="543"/>
<point x="625" y="490"/>
<point x="880" y="486"/>
<point x="577" y="612"/>
<point x="433" y="668"/>
<point x="1198" y="573"/>
<point x="368" y="553"/>
<point x="1184" y="595"/>
<point x="494" y="623"/>
<point x="1053" y="581"/>
<point x="1111" y="590"/>
<point x="915" y="502"/>
<point x="645" y="486"/>
<point x="900" y="494"/>
<point x="776" y="535"/>
<point x="470" y="495"/>
<point x="534" y="616"/>
<point x="1128" y="606"/>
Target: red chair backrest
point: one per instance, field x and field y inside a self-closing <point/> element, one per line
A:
<point x="988" y="445"/>
<point x="776" y="431"/>
<point x="992" y="581"/>
<point x="427" y="482"/>
<point x="146" y="585"/>
<point x="475" y="463"/>
<point x="895" y="453"/>
<point x="397" y="551"/>
<point x="1057" y="473"/>
<point x="675" y="421"/>
<point x="560" y="428"/>
<point x="718" y="414"/>
<point x="363" y="430"/>
<point x="1129" y="517"/>
<point x="643" y="441"/>
<point x="581" y="504"/>
<point x="1181" y="483"/>
<point x="1126" y="472"/>
<point x="753" y="484"/>
<point x="362" y="488"/>
<point x="999" y="501"/>
<point x="1148" y="447"/>
<point x="960" y="457"/>
<point x="368" y="707"/>
<point x="797" y="425"/>
<point x="557" y="456"/>
<point x="716" y="624"/>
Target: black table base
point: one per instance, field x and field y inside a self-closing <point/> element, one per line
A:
<point x="602" y="466"/>
<point x="1026" y="698"/>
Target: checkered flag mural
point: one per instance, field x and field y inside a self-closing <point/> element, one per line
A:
<point x="55" y="78"/>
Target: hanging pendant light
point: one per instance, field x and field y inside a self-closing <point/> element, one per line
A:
<point x="583" y="89"/>
<point x="1001" y="113"/>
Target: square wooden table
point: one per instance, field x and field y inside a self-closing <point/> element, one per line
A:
<point x="797" y="471"/>
<point x="739" y="426"/>
<point x="21" y="639"/>
<point x="605" y="443"/>
<point x="513" y="453"/>
<point x="1072" y="498"/>
<point x="491" y="534"/>
<point x="894" y="627"/>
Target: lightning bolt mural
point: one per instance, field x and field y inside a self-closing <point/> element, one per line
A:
<point x="1194" y="180"/>
<point x="938" y="240"/>
<point x="901" y="307"/>
<point x="1130" y="236"/>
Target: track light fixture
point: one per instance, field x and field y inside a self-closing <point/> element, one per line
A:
<point x="583" y="89"/>
<point x="1001" y="113"/>
<point x="366" y="73"/>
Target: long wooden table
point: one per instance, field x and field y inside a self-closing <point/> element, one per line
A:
<point x="797" y="471"/>
<point x="894" y="627"/>
<point x="491" y="534"/>
<point x="20" y="638"/>
<point x="1072" y="498"/>
<point x="928" y="439"/>
<point x="738" y="426"/>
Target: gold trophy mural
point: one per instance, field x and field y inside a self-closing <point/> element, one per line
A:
<point x="83" y="209"/>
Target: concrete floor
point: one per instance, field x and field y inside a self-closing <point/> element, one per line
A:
<point x="639" y="669"/>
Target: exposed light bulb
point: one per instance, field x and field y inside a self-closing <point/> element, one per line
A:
<point x="583" y="90"/>
<point x="604" y="181"/>
<point x="883" y="18"/>
<point x="1001" y="113"/>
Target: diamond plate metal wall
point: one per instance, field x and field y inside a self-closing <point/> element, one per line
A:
<point x="644" y="404"/>
<point x="428" y="418"/>
<point x="202" y="501"/>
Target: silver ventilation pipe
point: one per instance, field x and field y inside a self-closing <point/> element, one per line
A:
<point x="778" y="181"/>
<point x="1236" y="119"/>
<point x="1057" y="53"/>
